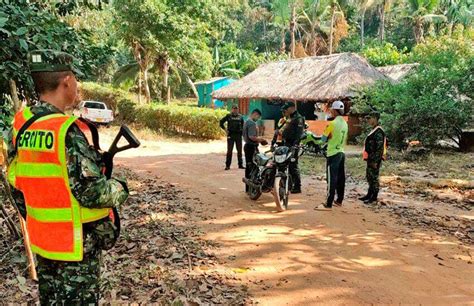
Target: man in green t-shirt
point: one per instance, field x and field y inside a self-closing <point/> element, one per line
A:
<point x="335" y="135"/>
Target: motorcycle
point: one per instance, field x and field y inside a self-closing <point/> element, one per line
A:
<point x="312" y="144"/>
<point x="271" y="174"/>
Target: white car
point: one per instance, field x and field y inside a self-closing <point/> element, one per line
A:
<point x="94" y="111"/>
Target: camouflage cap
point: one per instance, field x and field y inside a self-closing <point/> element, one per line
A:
<point x="51" y="61"/>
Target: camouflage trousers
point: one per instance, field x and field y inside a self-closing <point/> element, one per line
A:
<point x="70" y="283"/>
<point x="373" y="178"/>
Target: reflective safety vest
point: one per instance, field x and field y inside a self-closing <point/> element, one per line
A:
<point x="39" y="170"/>
<point x="280" y="127"/>
<point x="365" y="154"/>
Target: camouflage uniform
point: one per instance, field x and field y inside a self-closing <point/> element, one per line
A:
<point x="78" y="282"/>
<point x="374" y="146"/>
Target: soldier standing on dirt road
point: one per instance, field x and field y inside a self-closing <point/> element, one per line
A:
<point x="59" y="188"/>
<point x="251" y="141"/>
<point x="235" y="124"/>
<point x="291" y="136"/>
<point x="336" y="136"/>
<point x="375" y="151"/>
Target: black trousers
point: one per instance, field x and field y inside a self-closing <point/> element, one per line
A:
<point x="231" y="140"/>
<point x="249" y="150"/>
<point x="294" y="170"/>
<point x="336" y="178"/>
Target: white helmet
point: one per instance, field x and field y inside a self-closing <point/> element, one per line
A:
<point x="338" y="105"/>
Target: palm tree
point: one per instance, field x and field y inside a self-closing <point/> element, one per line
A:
<point x="224" y="67"/>
<point x="364" y="5"/>
<point x="458" y="12"/>
<point x="285" y="13"/>
<point x="421" y="12"/>
<point x="335" y="11"/>
<point x="313" y="23"/>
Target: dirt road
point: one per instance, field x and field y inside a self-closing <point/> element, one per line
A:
<point x="351" y="255"/>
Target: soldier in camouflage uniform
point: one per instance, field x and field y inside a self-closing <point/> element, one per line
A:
<point x="374" y="153"/>
<point x="65" y="282"/>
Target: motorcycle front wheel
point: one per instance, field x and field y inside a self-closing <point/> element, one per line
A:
<point x="281" y="193"/>
<point x="254" y="193"/>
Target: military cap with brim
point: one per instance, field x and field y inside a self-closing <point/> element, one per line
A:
<point x="287" y="105"/>
<point x="47" y="60"/>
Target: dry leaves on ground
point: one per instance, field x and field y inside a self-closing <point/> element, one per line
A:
<point x="160" y="257"/>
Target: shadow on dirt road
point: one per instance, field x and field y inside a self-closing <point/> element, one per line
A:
<point x="351" y="255"/>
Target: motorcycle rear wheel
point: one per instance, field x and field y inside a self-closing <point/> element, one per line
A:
<point x="280" y="193"/>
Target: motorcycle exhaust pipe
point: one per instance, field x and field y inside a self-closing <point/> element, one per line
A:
<point x="250" y="183"/>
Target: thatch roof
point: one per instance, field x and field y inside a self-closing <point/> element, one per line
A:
<point x="319" y="78"/>
<point x="397" y="72"/>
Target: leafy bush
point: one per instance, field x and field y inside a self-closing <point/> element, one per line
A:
<point x="103" y="93"/>
<point x="168" y="119"/>
<point x="174" y="119"/>
<point x="6" y="115"/>
<point x="385" y="54"/>
<point x="433" y="104"/>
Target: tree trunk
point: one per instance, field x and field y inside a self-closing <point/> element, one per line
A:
<point x="138" y="57"/>
<point x="293" y="30"/>
<point x="331" y="33"/>
<point x="165" y="67"/>
<point x="145" y="83"/>
<point x="450" y="28"/>
<point x="14" y="94"/>
<point x="283" y="43"/>
<point x="140" y="86"/>
<point x="418" y="31"/>
<point x="362" y="28"/>
<point x="382" y="22"/>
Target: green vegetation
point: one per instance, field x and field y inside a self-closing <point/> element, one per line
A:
<point x="433" y="104"/>
<point x="176" y="119"/>
<point x="385" y="54"/>
<point x="154" y="50"/>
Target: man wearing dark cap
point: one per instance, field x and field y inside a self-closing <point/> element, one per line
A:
<point x="375" y="150"/>
<point x="59" y="188"/>
<point x="235" y="124"/>
<point x="291" y="136"/>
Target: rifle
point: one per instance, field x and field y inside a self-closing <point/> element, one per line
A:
<point x="108" y="159"/>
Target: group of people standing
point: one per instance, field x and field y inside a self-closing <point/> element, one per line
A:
<point x="288" y="132"/>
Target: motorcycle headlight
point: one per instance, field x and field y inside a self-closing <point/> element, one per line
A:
<point x="280" y="159"/>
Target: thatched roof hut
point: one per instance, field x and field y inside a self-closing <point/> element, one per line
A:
<point x="397" y="72"/>
<point x="315" y="79"/>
